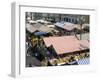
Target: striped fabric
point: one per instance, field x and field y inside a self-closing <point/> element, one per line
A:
<point x="84" y="61"/>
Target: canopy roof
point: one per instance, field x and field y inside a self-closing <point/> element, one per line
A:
<point x="31" y="21"/>
<point x="85" y="26"/>
<point x="45" y="29"/>
<point x="39" y="33"/>
<point x="65" y="25"/>
<point x="84" y="61"/>
<point x="66" y="44"/>
<point x="30" y="28"/>
<point x="38" y="26"/>
<point x="43" y="21"/>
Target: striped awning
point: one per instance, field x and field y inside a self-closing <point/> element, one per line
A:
<point x="84" y="61"/>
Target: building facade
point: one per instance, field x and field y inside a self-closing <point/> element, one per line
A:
<point x="76" y="19"/>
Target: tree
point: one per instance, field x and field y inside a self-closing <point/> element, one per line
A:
<point x="81" y="21"/>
